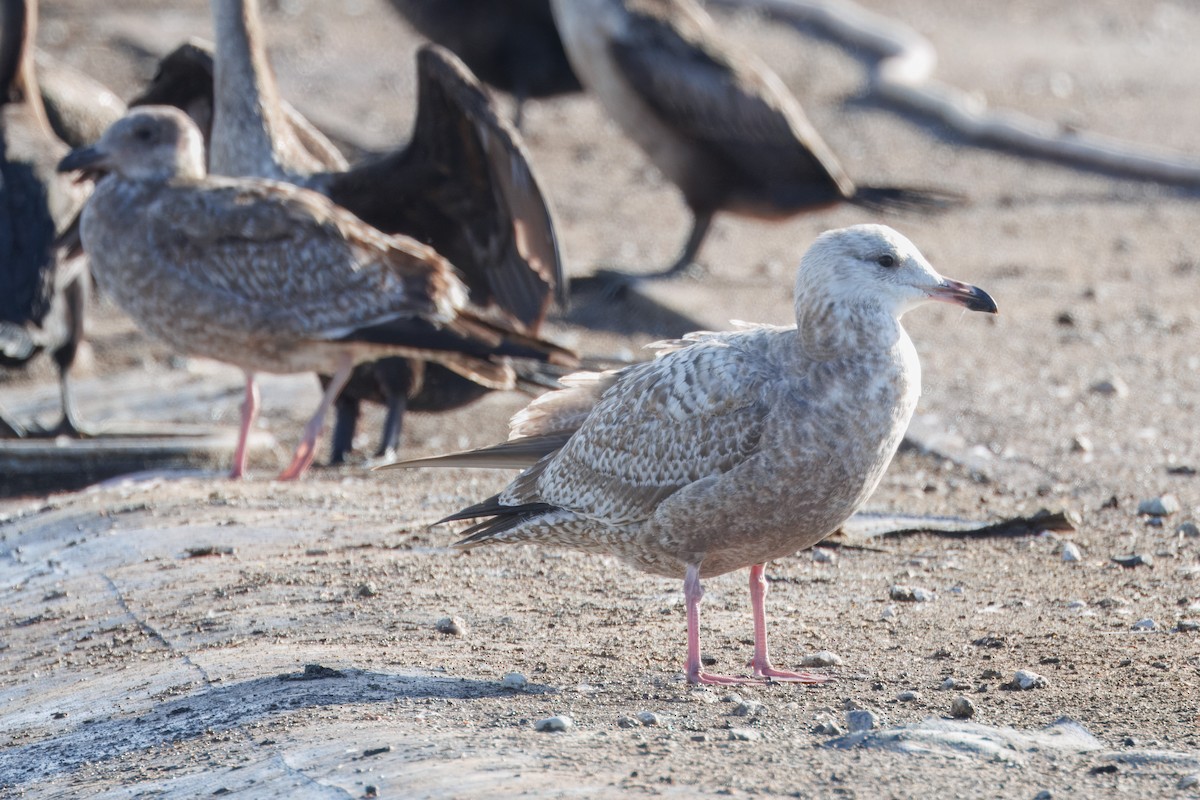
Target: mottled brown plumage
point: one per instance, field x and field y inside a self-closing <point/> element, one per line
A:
<point x="270" y="276"/>
<point x="712" y="117"/>
<point x="729" y="449"/>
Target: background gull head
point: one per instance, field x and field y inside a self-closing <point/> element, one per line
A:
<point x="152" y="143"/>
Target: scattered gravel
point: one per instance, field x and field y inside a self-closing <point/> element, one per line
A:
<point x="861" y="720"/>
<point x="962" y="708"/>
<point x="821" y="658"/>
<point x="452" y="626"/>
<point x="555" y="724"/>
<point x="1025" y="680"/>
<point x="1070" y="552"/>
<point x="910" y="594"/>
<point x="1146" y="624"/>
<point x="1162" y="506"/>
<point x="513" y="680"/>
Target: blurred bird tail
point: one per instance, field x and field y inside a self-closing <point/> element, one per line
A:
<point x="896" y="198"/>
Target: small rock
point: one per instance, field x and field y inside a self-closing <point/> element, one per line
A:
<point x="748" y="708"/>
<point x="828" y="727"/>
<point x="368" y="589"/>
<point x="1162" y="506"/>
<point x="1134" y="560"/>
<point x="732" y="697"/>
<point x="1025" y="680"/>
<point x="1081" y="444"/>
<point x="890" y="611"/>
<point x="1044" y="794"/>
<point x="962" y="708"/>
<point x="370" y="790"/>
<point x="1189" y="530"/>
<point x="1077" y="605"/>
<point x="1187" y="625"/>
<point x="744" y="735"/>
<point x="1189" y="781"/>
<point x="627" y="722"/>
<point x="908" y="696"/>
<point x="377" y="751"/>
<point x="558" y="723"/>
<point x="1070" y="552"/>
<point x="647" y="718"/>
<point x="949" y="684"/>
<point x="822" y="556"/>
<point x="513" y="680"/>
<point x="1110" y="387"/>
<point x="821" y="658"/>
<point x="910" y="594"/>
<point x="861" y="720"/>
<point x="451" y="626"/>
<point x="1146" y="624"/>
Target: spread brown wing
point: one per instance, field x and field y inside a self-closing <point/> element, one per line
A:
<point x="725" y="102"/>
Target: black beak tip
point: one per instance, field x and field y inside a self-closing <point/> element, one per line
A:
<point x="981" y="301"/>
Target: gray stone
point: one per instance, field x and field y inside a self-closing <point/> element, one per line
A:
<point x="647" y="718"/>
<point x="1070" y="552"/>
<point x="1187" y="625"/>
<point x="828" y="727"/>
<point x="861" y="720"/>
<point x="748" y="708"/>
<point x="625" y="721"/>
<point x="1110" y="387"/>
<point x="1162" y="506"/>
<point x="949" y="684"/>
<point x="452" y="626"/>
<point x="962" y="708"/>
<point x="555" y="724"/>
<point x="908" y="696"/>
<point x="1189" y="781"/>
<point x="513" y="680"/>
<point x="1146" y="624"/>
<point x="1134" y="560"/>
<point x="744" y="735"/>
<point x="821" y="658"/>
<point x="890" y="611"/>
<point x="820" y="555"/>
<point x="1025" y="680"/>
<point x="1044" y="794"/>
<point x="910" y="594"/>
<point x="1189" y="530"/>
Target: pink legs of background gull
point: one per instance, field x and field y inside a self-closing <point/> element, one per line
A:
<point x="312" y="431"/>
<point x="763" y="671"/>
<point x="249" y="412"/>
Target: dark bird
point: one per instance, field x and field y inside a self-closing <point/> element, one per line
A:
<point x="42" y="292"/>
<point x="729" y="449"/>
<point x="711" y="116"/>
<point x="462" y="185"/>
<point x="273" y="277"/>
<point x="512" y="45"/>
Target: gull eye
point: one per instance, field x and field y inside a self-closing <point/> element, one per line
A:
<point x="143" y="134"/>
<point x="886" y="260"/>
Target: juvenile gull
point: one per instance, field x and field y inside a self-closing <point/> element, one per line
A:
<point x="43" y="292"/>
<point x="462" y="185"/>
<point x="729" y="449"/>
<point x="269" y="276"/>
<point x="711" y="116"/>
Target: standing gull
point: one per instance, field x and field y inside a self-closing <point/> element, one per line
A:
<point x="729" y="449"/>
<point x="712" y="117"/>
<point x="43" y="292"/>
<point x="272" y="277"/>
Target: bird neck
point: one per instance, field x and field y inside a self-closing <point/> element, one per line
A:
<point x="247" y="117"/>
<point x="828" y="330"/>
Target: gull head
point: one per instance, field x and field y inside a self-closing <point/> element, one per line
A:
<point x="874" y="268"/>
<point x="151" y="143"/>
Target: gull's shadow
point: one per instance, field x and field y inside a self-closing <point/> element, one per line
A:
<point x="225" y="707"/>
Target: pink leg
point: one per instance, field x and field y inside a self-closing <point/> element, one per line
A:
<point x="249" y="413"/>
<point x="693" y="593"/>
<point x="762" y="662"/>
<point x="307" y="450"/>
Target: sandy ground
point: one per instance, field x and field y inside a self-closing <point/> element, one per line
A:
<point x="132" y="664"/>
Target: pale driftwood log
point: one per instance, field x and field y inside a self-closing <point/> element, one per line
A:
<point x="903" y="75"/>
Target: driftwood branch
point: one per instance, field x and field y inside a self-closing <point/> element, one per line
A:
<point x="904" y="75"/>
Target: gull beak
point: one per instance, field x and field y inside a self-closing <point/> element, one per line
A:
<point x="91" y="162"/>
<point x="964" y="294"/>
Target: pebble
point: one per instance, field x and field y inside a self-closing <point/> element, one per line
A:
<point x="1044" y="794"/>
<point x="744" y="735"/>
<point x="1188" y="529"/>
<point x="647" y="718"/>
<point x="910" y="594"/>
<point x="1189" y="781"/>
<point x="1081" y="444"/>
<point x="890" y="611"/>
<point x="962" y="708"/>
<point x="513" y="680"/>
<point x="1110" y="387"/>
<point x="452" y="626"/>
<point x="1025" y="680"/>
<point x="1187" y="626"/>
<point x="1070" y="552"/>
<point x="821" y="658"/>
<point x="627" y="722"/>
<point x="861" y="720"/>
<point x="1162" y="506"/>
<point x="1134" y="560"/>
<point x="908" y="696"/>
<point x="748" y="708"/>
<point x="1077" y="605"/>
<point x="828" y="727"/>
<point x="1146" y="624"/>
<point x="558" y="723"/>
<point x="822" y="556"/>
<point x="949" y="684"/>
<point x="368" y="589"/>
